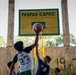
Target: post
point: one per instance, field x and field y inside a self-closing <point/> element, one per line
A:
<point x="43" y="46"/>
<point x="65" y="23"/>
<point x="10" y="23"/>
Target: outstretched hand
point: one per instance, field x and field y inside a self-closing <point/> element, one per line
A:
<point x="37" y="31"/>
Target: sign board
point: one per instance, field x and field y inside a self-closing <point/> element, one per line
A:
<point x="49" y="18"/>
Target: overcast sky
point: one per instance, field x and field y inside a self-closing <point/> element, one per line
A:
<point x="35" y="4"/>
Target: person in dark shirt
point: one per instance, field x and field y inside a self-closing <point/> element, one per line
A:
<point x="57" y="70"/>
<point x="43" y="67"/>
<point x="24" y="57"/>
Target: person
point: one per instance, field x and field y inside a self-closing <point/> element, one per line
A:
<point x="43" y="67"/>
<point x="18" y="72"/>
<point x="57" y="70"/>
<point x="9" y="65"/>
<point x="24" y="57"/>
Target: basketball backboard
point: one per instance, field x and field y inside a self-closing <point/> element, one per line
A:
<point x="49" y="18"/>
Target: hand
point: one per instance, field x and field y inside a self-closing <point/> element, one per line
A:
<point x="37" y="31"/>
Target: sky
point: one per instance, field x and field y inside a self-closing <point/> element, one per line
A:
<point x="35" y="4"/>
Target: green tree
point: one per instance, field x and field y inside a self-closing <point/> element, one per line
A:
<point x="59" y="40"/>
<point x="2" y="41"/>
<point x="26" y="40"/>
<point x="72" y="39"/>
<point x="54" y="40"/>
<point x="48" y="40"/>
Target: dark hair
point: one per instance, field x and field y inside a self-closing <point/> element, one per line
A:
<point x="48" y="57"/>
<point x="57" y="69"/>
<point x="9" y="64"/>
<point x="18" y="45"/>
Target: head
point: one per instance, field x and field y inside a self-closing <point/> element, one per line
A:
<point x="9" y="64"/>
<point x="57" y="70"/>
<point x="18" y="46"/>
<point x="47" y="59"/>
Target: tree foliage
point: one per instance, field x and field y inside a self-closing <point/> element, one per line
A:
<point x="72" y="39"/>
<point x="2" y="41"/>
<point x="26" y="40"/>
<point x="54" y="40"/>
<point x="48" y="40"/>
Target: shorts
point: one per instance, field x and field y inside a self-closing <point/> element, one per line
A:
<point x="29" y="72"/>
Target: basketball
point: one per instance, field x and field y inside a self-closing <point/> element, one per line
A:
<point x="38" y="26"/>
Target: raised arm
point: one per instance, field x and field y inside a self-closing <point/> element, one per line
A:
<point x="36" y="39"/>
<point x="28" y="49"/>
<point x="37" y="52"/>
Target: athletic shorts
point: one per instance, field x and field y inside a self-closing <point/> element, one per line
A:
<point x="29" y="72"/>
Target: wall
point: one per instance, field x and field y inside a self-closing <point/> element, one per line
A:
<point x="56" y="53"/>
